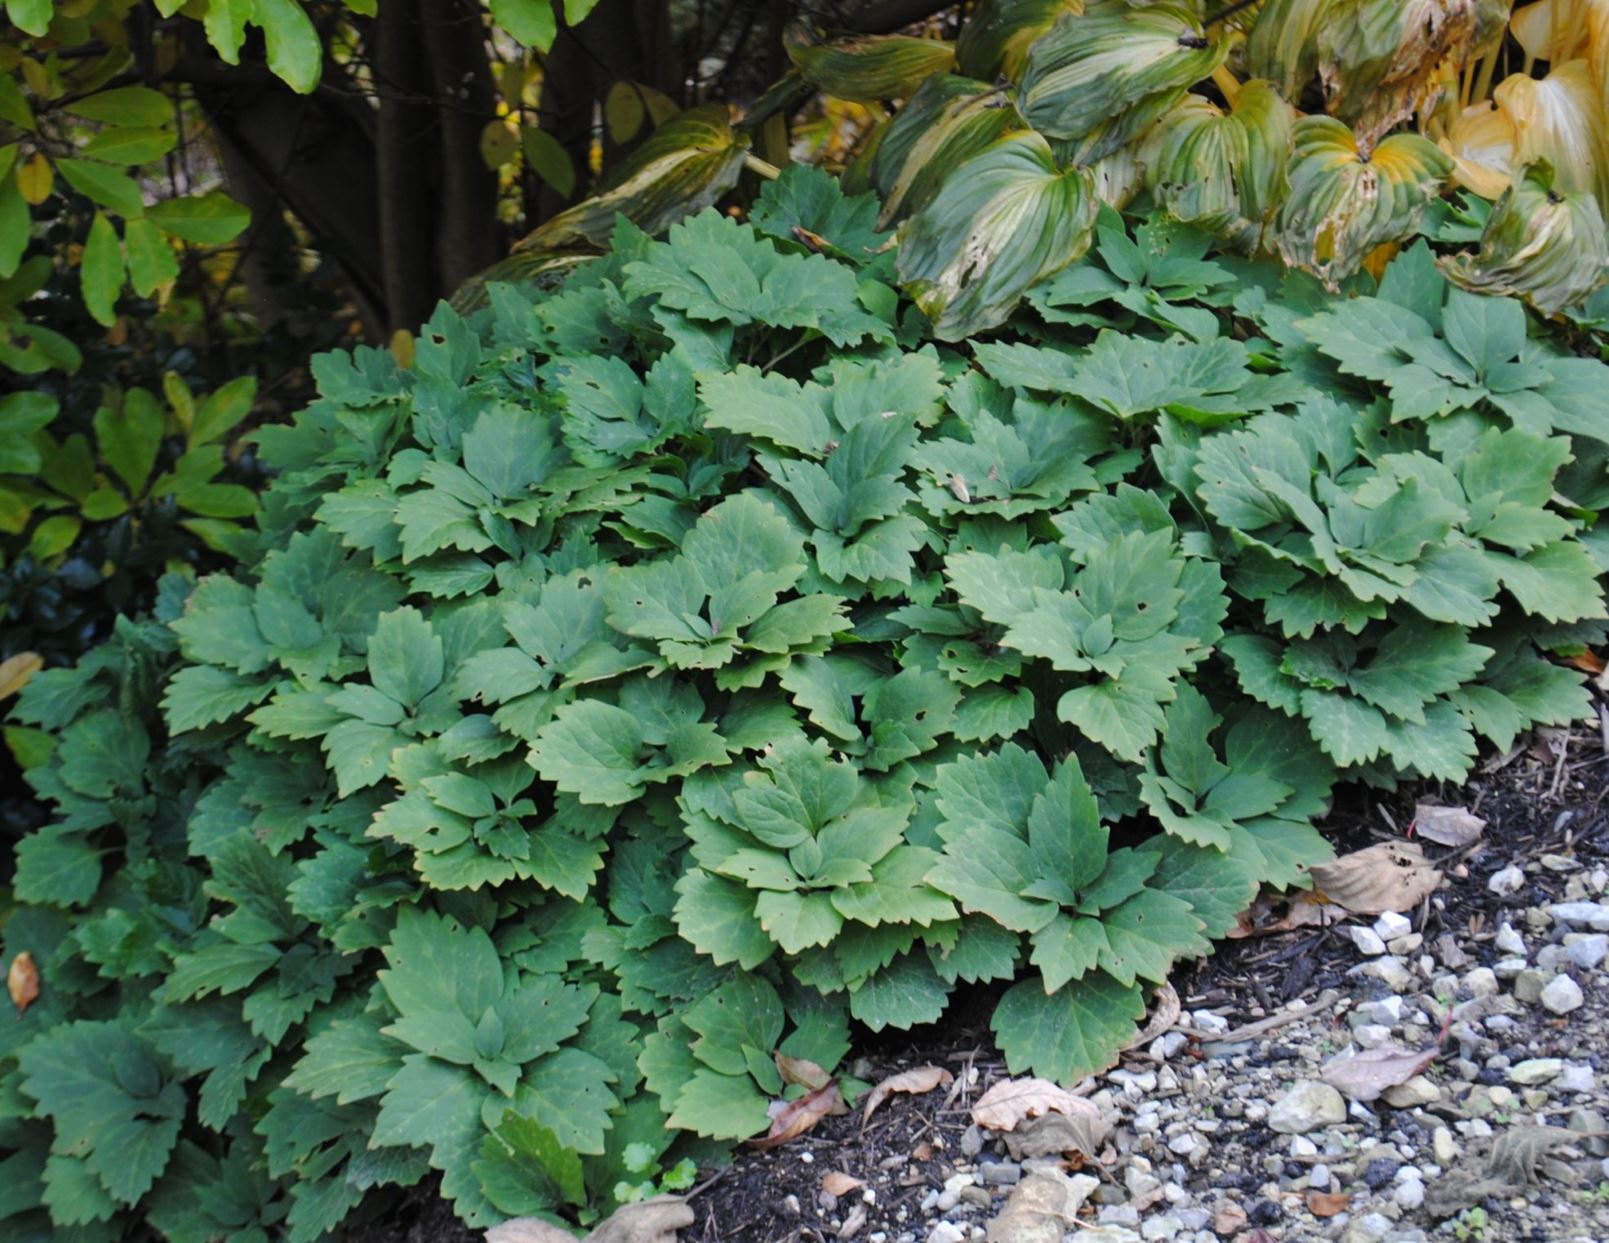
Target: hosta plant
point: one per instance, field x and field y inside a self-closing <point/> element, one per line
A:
<point x="671" y="674"/>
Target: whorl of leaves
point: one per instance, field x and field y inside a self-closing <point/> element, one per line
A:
<point x="684" y="666"/>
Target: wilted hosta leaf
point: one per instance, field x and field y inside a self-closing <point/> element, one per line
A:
<point x="1003" y="220"/>
<point x="1481" y="141"/>
<point x="1561" y="30"/>
<point x="1378" y="59"/>
<point x="1549" y="248"/>
<point x="1562" y="119"/>
<point x="1224" y="172"/>
<point x="685" y="165"/>
<point x="994" y="42"/>
<point x="947" y="122"/>
<point x="1343" y="204"/>
<point x="868" y="69"/>
<point x="1101" y="77"/>
<point x="1282" y="43"/>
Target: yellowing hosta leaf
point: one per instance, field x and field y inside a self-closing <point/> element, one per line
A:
<point x="1282" y="43"/>
<point x="1481" y="141"/>
<point x="682" y="168"/>
<point x="1343" y="204"/>
<point x="1561" y="119"/>
<point x="1224" y="172"/>
<point x="1118" y="177"/>
<point x="1561" y="30"/>
<point x="948" y="121"/>
<point x="870" y="69"/>
<point x="1549" y="248"/>
<point x="995" y="41"/>
<point x="1378" y="59"/>
<point x="1102" y="77"/>
<point x="1004" y="220"/>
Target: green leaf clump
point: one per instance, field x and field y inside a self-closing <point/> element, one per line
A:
<point x="672" y="672"/>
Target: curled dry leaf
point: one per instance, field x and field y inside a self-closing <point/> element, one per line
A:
<point x="801" y="1071"/>
<point x="22" y="981"/>
<point x="1447" y="826"/>
<point x="16" y="670"/>
<point x="1364" y="1076"/>
<point x="837" y="1183"/>
<point x="922" y="1079"/>
<point x="1393" y="876"/>
<point x="1006" y="1104"/>
<point x="794" y="1118"/>
<point x="1162" y="1018"/>
<point x="1327" y="1203"/>
<point x="1057" y="1134"/>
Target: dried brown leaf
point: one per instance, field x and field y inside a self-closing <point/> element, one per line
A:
<point x="922" y="1079"/>
<point x="837" y="1183"/>
<point x="801" y="1071"/>
<point x="1057" y="1134"/>
<point x="1447" y="826"/>
<point x="1327" y="1203"/>
<point x="794" y="1118"/>
<point x="1163" y="1017"/>
<point x="528" y="1230"/>
<point x="1392" y="876"/>
<point x="16" y="670"/>
<point x="1364" y="1076"/>
<point x="1006" y="1104"/>
<point x="22" y="981"/>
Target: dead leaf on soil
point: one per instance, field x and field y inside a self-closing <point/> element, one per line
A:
<point x="1163" y="1017"/>
<point x="648" y="1221"/>
<point x="1042" y="1207"/>
<point x="922" y="1079"/>
<point x="1006" y="1104"/>
<point x="1392" y="876"/>
<point x="1364" y="1076"/>
<point x="1302" y="911"/>
<point x="837" y="1183"/>
<point x="801" y="1071"/>
<point x="1057" y="1134"/>
<point x="1327" y="1203"/>
<point x="790" y="1119"/>
<point x="1447" y="826"/>
<point x="22" y="981"/>
<point x="16" y="670"/>
<point x="1588" y="661"/>
<point x="1513" y="1161"/>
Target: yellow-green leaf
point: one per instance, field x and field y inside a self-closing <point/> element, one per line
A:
<point x="104" y="503"/>
<point x="54" y="536"/>
<point x="529" y="22"/>
<point x="223" y="410"/>
<point x="947" y="122"/>
<point x="151" y="262"/>
<point x="127" y="105"/>
<point x="104" y="186"/>
<point x="871" y="68"/>
<point x="548" y="159"/>
<point x="207" y="219"/>
<point x="101" y="271"/>
<point x="130" y="439"/>
<point x="623" y="111"/>
<point x="130" y="144"/>
<point x="16" y="225"/>
<point x="498" y="144"/>
<point x="35" y="179"/>
<point x="225" y="24"/>
<point x="994" y="42"/>
<point x="31" y="16"/>
<point x="295" y="54"/>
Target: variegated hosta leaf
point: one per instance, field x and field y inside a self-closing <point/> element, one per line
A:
<point x="680" y="169"/>
<point x="1561" y="119"/>
<point x="1481" y="141"/>
<point x="1119" y="176"/>
<point x="868" y="69"/>
<point x="948" y="121"/>
<point x="995" y="40"/>
<point x="1342" y="204"/>
<point x="1562" y="30"/>
<point x="1282" y="45"/>
<point x="1224" y="172"/>
<point x="1547" y="247"/>
<point x="1003" y="220"/>
<point x="543" y="268"/>
<point x="1102" y="77"/>
<point x="1378" y="59"/>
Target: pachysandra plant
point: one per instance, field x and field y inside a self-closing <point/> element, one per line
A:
<point x="676" y="669"/>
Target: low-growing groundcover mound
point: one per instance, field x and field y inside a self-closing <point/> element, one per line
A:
<point x="682" y="667"/>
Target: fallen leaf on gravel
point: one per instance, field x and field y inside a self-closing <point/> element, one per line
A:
<point x="649" y="1221"/>
<point x="794" y="1118"/>
<point x="1056" y="1134"/>
<point x="22" y="981"/>
<point x="1162" y="1019"/>
<point x="1447" y="826"/>
<point x="1041" y="1208"/>
<point x="1509" y="1164"/>
<point x="802" y="1071"/>
<point x="1364" y="1076"/>
<point x="922" y="1079"/>
<point x="837" y="1183"/>
<point x="1392" y="876"/>
<point x="1006" y="1104"/>
<point x="1327" y="1203"/>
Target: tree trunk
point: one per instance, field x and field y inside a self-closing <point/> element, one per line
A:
<point x="405" y="150"/>
<point x="467" y="239"/>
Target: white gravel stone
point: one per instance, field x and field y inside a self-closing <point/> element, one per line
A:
<point x="1481" y="982"/>
<point x="1371" y="1035"/>
<point x="1318" y="1178"/>
<point x="1534" y="1070"/>
<point x="1443" y="1146"/>
<point x="1594" y="915"/>
<point x="1367" y="940"/>
<point x="1308" y="1106"/>
<point x="1576" y="1079"/>
<point x="1586" y="950"/>
<point x="946" y="1232"/>
<point x="1562" y="995"/>
<point x="1507" y="881"/>
<point x="1509" y="941"/>
<point x="1164" y="1227"/>
<point x="1508" y="968"/>
<point x="1391" y="925"/>
<point x="1417" y="1091"/>
<point x="1409" y="1195"/>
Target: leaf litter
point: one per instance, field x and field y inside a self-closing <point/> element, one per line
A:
<point x="917" y="1081"/>
<point x="1390" y="876"/>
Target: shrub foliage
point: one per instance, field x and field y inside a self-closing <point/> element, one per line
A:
<point x="677" y="668"/>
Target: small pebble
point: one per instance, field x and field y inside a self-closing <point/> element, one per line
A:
<point x="1506" y="881"/>
<point x="1562" y="996"/>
